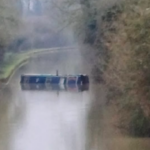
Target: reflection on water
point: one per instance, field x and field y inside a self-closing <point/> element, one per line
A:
<point x="52" y="121"/>
<point x="102" y="132"/>
<point x="71" y="120"/>
<point x="55" y="87"/>
<point x="31" y="119"/>
<point x="11" y="115"/>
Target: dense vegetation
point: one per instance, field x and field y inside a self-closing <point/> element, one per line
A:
<point x="9" y="23"/>
<point x="117" y="33"/>
<point x="127" y="42"/>
<point x="29" y="25"/>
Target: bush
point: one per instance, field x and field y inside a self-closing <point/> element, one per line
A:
<point x="128" y="64"/>
<point x="139" y="124"/>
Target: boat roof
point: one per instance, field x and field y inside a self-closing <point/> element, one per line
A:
<point x="50" y="75"/>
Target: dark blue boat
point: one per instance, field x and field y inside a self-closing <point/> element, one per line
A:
<point x="55" y="79"/>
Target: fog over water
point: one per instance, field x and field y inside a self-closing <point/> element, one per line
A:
<point x="58" y="119"/>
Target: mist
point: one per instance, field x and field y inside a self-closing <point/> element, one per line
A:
<point x="42" y="25"/>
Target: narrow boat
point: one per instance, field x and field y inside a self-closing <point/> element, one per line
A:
<point x="55" y="79"/>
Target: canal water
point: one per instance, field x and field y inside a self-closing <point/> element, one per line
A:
<point x="58" y="119"/>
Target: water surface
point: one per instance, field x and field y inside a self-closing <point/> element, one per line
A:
<point x="58" y="119"/>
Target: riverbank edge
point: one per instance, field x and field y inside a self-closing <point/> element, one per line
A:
<point x="25" y="57"/>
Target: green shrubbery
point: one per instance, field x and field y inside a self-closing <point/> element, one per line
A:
<point x="139" y="124"/>
<point x="119" y="38"/>
<point x="128" y="67"/>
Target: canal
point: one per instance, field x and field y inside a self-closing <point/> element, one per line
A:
<point x="58" y="119"/>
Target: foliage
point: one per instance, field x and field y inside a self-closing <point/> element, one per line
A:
<point x="120" y="39"/>
<point x="140" y="124"/>
<point x="126" y="38"/>
<point x="9" y="23"/>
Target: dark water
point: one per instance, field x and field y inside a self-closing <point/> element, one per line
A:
<point x="58" y="119"/>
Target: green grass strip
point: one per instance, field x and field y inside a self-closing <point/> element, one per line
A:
<point x="13" y="61"/>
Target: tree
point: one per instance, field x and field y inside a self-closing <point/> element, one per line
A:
<point x="37" y="7"/>
<point x="9" y="23"/>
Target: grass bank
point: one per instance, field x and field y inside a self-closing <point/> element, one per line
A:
<point x="12" y="61"/>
